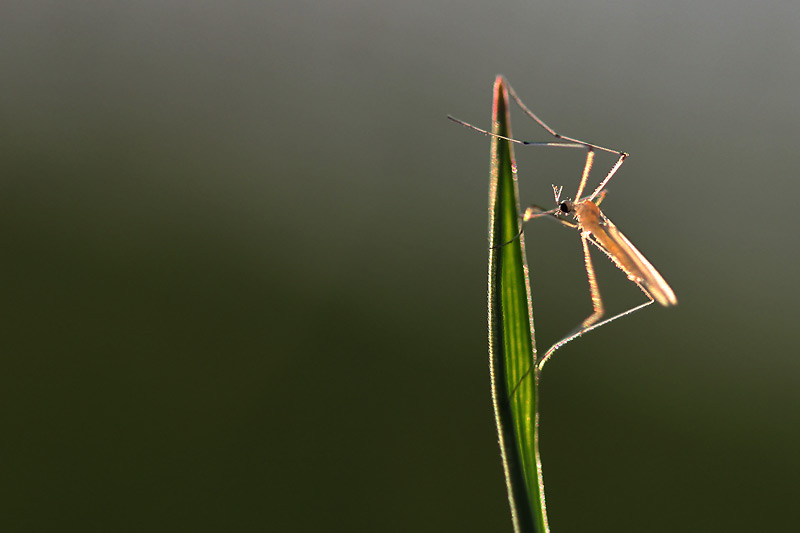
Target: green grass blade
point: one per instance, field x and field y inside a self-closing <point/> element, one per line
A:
<point x="512" y="349"/>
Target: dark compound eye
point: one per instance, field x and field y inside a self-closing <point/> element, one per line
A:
<point x="564" y="206"/>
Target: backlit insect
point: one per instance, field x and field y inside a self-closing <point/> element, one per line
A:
<point x="595" y="228"/>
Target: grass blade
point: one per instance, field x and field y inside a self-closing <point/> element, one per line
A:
<point x="512" y="348"/>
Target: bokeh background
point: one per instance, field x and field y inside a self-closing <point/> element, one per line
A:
<point x="244" y="264"/>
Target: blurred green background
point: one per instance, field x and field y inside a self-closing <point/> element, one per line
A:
<point x="244" y="264"/>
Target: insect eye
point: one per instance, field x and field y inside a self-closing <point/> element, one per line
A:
<point x="564" y="206"/>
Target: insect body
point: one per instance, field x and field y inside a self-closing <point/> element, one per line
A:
<point x="620" y="250"/>
<point x="594" y="228"/>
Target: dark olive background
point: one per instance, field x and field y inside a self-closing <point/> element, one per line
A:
<point x="244" y="264"/>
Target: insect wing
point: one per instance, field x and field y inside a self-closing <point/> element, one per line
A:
<point x="632" y="262"/>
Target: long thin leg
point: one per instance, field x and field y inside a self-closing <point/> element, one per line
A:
<point x="526" y="143"/>
<point x="577" y="333"/>
<point x="576" y="144"/>
<point x="535" y="211"/>
<point x="571" y="142"/>
<point x="586" y="169"/>
<point x="550" y="130"/>
<point x="611" y="172"/>
<point x="597" y="301"/>
<point x="597" y="305"/>
<point x="591" y="322"/>
<point x="582" y="330"/>
<point x="586" y="325"/>
<point x="585" y="176"/>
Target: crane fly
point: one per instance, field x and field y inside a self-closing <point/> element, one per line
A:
<point x="594" y="228"/>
